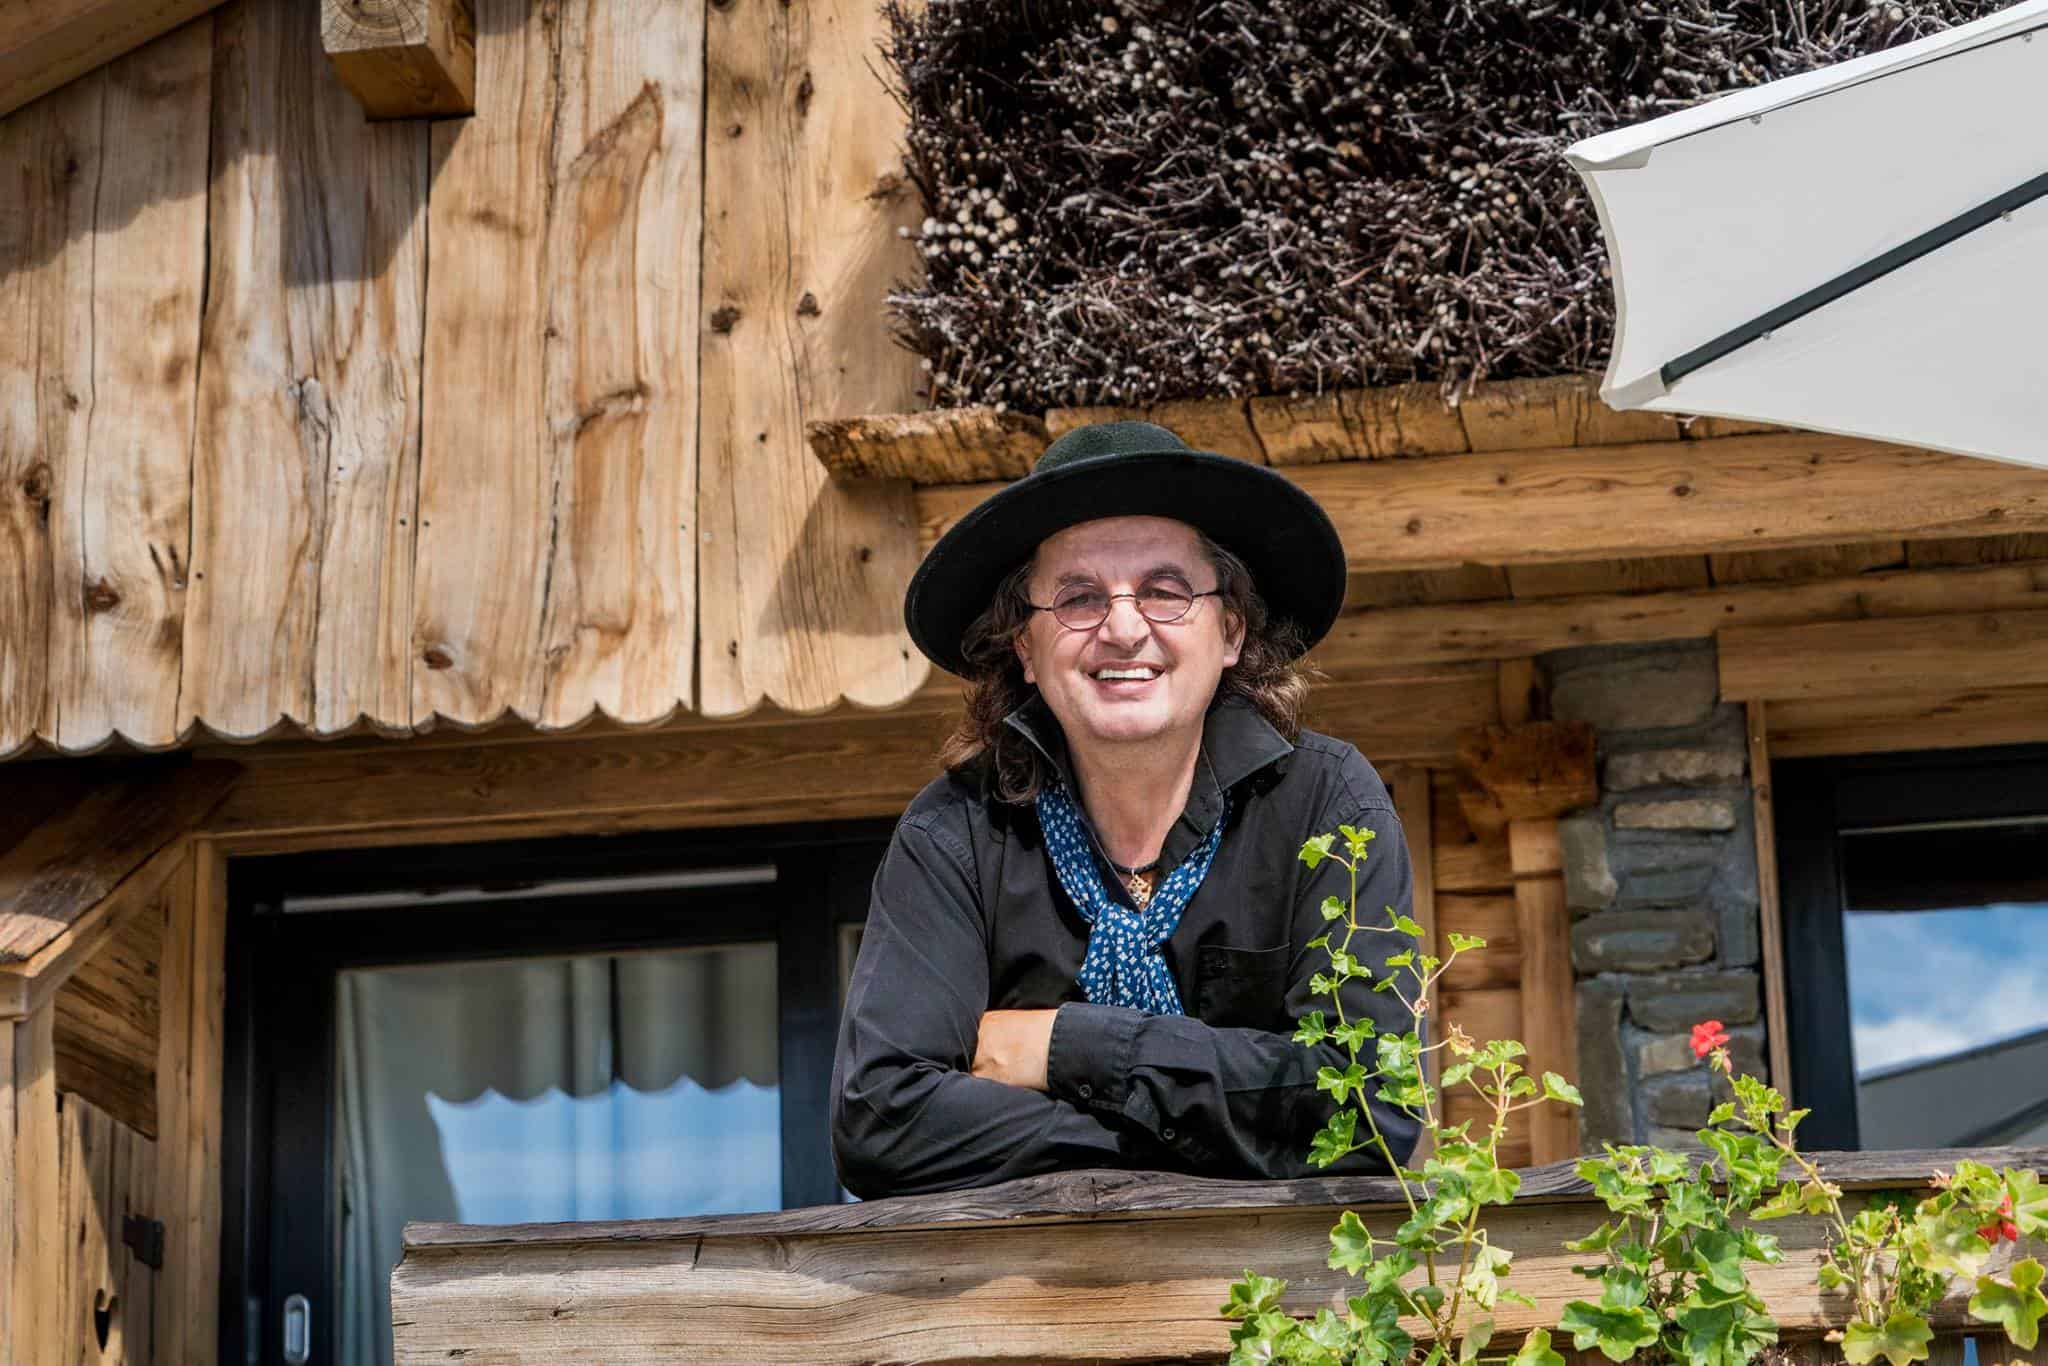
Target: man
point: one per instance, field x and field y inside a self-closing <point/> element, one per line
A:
<point x="1088" y="942"/>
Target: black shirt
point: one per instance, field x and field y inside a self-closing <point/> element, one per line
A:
<point x="968" y="916"/>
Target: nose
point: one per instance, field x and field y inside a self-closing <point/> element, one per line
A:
<point x="1125" y="625"/>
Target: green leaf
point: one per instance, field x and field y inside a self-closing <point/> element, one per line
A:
<point x="1717" y="1255"/>
<point x="1316" y="848"/>
<point x="1618" y="1333"/>
<point x="1333" y="908"/>
<point x="1342" y="1084"/>
<point x="1350" y="1245"/>
<point x="1724" y="1334"/>
<point x="1408" y="925"/>
<point x="1496" y="1185"/>
<point x="1335" y="1139"/>
<point x="1482" y="1277"/>
<point x="1313" y="1031"/>
<point x="1722" y="1114"/>
<point x="2029" y="1202"/>
<point x="1901" y="1340"/>
<point x="1537" y="1352"/>
<point x="2016" y="1307"/>
<point x="1322" y="984"/>
<point x="1596" y="1241"/>
<point x="1475" y="1340"/>
<point x="1557" y="1088"/>
<point x="1401" y="959"/>
<point x="1462" y="942"/>
<point x="1252" y="1295"/>
<point x="1455" y="1073"/>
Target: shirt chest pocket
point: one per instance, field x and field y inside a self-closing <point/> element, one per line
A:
<point x="1242" y="988"/>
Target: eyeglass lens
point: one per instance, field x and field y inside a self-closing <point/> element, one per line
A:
<point x="1082" y="606"/>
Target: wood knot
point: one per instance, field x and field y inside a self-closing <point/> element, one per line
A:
<point x="735" y="129"/>
<point x="887" y="186"/>
<point x="100" y="596"/>
<point x="805" y="88"/>
<point x="35" y="485"/>
<point x="807" y="307"/>
<point x="865" y="553"/>
<point x="1414" y="527"/>
<point x="724" y="318"/>
<point x="434" y="657"/>
<point x="1682" y="491"/>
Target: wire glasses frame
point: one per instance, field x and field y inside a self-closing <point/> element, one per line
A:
<point x="1084" y="609"/>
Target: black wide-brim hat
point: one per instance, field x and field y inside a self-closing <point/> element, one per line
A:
<point x="1132" y="469"/>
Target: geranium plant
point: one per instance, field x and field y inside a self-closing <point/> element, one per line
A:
<point x="1895" y="1262"/>
<point x="1439" y="1265"/>
<point x="1672" y="1263"/>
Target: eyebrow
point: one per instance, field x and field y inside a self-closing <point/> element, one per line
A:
<point x="1168" y="567"/>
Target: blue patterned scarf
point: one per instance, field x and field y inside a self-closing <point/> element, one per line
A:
<point x="1123" y="966"/>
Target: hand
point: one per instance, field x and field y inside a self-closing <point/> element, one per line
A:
<point x="1012" y="1047"/>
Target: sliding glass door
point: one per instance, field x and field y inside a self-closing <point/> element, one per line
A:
<point x="586" y="1030"/>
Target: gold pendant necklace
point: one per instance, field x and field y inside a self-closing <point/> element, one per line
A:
<point x="1140" y="888"/>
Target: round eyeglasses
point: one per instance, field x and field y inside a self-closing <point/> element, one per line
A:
<point x="1079" y="607"/>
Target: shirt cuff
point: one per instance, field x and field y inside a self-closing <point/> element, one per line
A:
<point x="1088" y="1059"/>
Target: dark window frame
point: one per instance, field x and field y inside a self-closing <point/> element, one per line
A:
<point x="1814" y="801"/>
<point x="279" y="1225"/>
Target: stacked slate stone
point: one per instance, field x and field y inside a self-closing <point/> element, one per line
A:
<point x="1140" y="201"/>
<point x="1661" y="879"/>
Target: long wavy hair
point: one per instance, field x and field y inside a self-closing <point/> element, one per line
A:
<point x="1269" y="674"/>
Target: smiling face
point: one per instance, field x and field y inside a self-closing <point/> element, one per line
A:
<point x="1130" y="680"/>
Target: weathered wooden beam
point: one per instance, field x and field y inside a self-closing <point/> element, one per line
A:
<point x="946" y="446"/>
<point x="1777" y="1018"/>
<point x="1904" y="655"/>
<point x="846" y="765"/>
<point x="69" y="864"/>
<point x="1958" y="717"/>
<point x="1535" y="771"/>
<point x="1082" y="1266"/>
<point x="1543" y="927"/>
<point x="1648" y="498"/>
<point x="32" y="1294"/>
<point x="48" y="43"/>
<point x="935" y="446"/>
<point x="403" y="59"/>
<point x="1511" y="628"/>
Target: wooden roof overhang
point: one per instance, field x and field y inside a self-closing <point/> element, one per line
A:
<point x="1080" y="1266"/>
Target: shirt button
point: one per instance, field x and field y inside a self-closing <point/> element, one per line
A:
<point x="1086" y="1090"/>
<point x="1166" y="1134"/>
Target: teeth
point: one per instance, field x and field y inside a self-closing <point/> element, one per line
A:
<point x="1111" y="674"/>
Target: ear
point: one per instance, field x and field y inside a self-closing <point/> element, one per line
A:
<point x="1233" y="638"/>
<point x="1023" y="649"/>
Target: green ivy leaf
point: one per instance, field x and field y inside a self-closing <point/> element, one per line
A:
<point x="1401" y="959"/>
<point x="1254" y="1294"/>
<point x="1353" y="1034"/>
<point x="1482" y="1277"/>
<point x="2029" y="1202"/>
<point x="1618" y="1333"/>
<point x="1313" y="1031"/>
<point x="1335" y="1139"/>
<point x="1322" y="984"/>
<point x="1557" y="1088"/>
<point x="1537" y="1352"/>
<point x="1596" y="1241"/>
<point x="2015" y="1307"/>
<point x="1495" y="1185"/>
<point x="1460" y="943"/>
<point x="1350" y="1245"/>
<point x="1474" y="1342"/>
<point x="1901" y="1340"/>
<point x="1333" y="908"/>
<point x="1717" y="1255"/>
<point x="1342" y="1084"/>
<point x="1722" y="1114"/>
<point x="1316" y="848"/>
<point x="1456" y="1073"/>
<point x="1408" y="925"/>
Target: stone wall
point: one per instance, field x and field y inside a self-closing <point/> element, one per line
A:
<point x="1662" y="882"/>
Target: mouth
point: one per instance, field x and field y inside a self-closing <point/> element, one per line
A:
<point x="1125" y="677"/>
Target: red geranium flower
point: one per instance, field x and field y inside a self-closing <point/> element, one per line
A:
<point x="2002" y="1227"/>
<point x="1707" y="1036"/>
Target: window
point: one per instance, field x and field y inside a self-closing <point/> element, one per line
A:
<point x="569" y="1030"/>
<point x="1915" y="898"/>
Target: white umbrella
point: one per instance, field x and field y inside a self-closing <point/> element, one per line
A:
<point x="1862" y="249"/>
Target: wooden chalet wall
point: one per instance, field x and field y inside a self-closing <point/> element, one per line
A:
<point x="314" y="421"/>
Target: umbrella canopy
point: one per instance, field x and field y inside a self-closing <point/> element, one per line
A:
<point x="1861" y="249"/>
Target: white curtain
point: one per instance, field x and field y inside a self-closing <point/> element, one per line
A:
<point x="624" y="1086"/>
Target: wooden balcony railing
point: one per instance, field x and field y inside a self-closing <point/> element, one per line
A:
<point x="1081" y="1266"/>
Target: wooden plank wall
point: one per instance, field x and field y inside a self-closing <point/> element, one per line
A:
<point x="106" y="1172"/>
<point x="375" y="425"/>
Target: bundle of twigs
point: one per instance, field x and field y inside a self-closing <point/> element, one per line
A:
<point x="1142" y="200"/>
